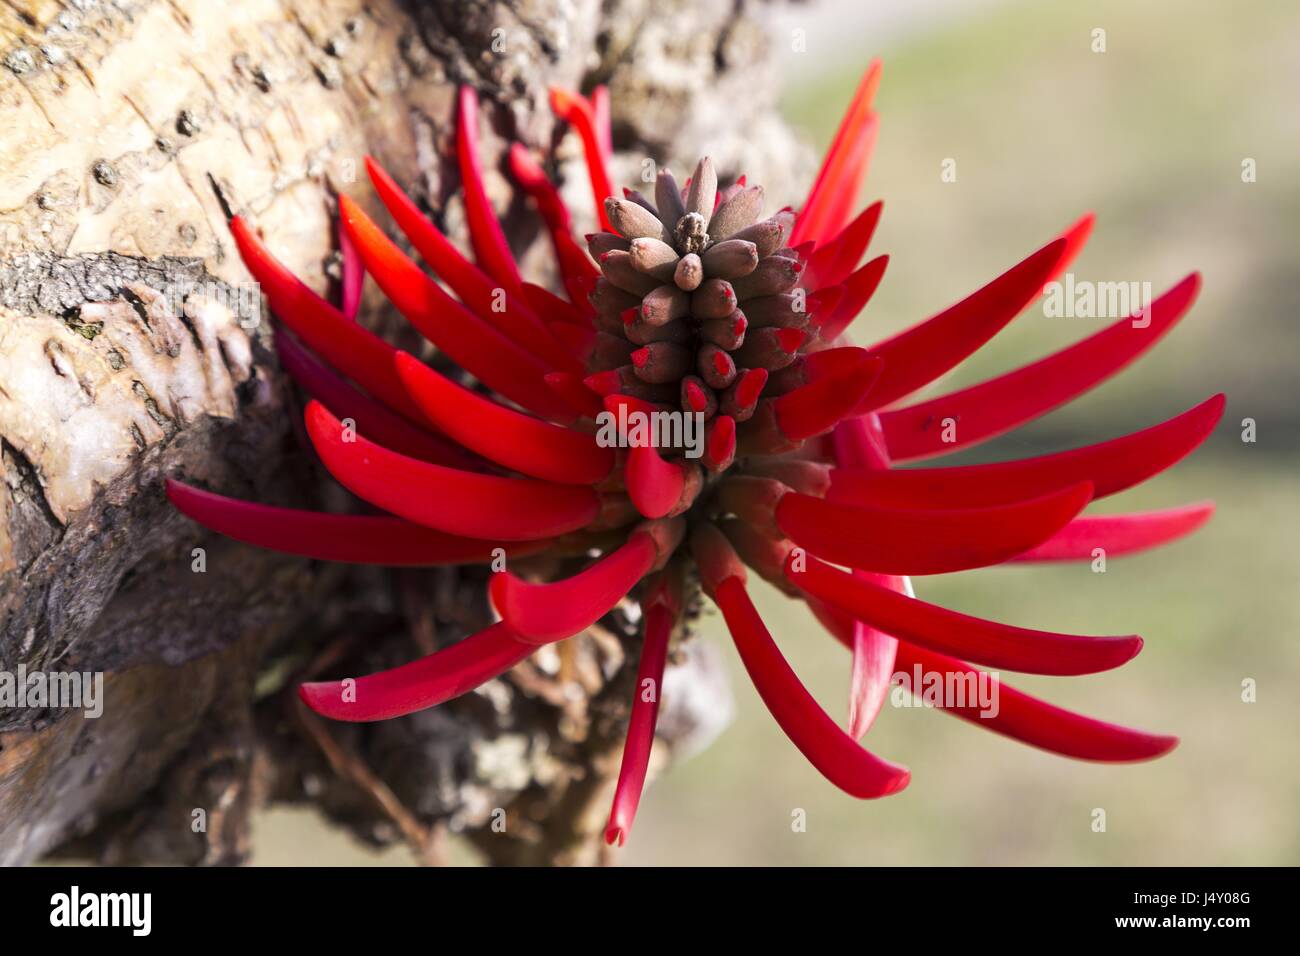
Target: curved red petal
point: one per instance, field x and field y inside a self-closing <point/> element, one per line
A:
<point x="509" y="311"/>
<point x="372" y="417"/>
<point x="817" y="407"/>
<point x="998" y="645"/>
<point x="354" y="276"/>
<point x="858" y="289"/>
<point x="924" y="352"/>
<point x="654" y="485"/>
<point x="857" y="442"/>
<point x="489" y="241"/>
<point x="641" y="725"/>
<point x="838" y="176"/>
<point x="356" y="352"/>
<point x="575" y="110"/>
<point x="475" y="346"/>
<point x="835" y="259"/>
<point x="552" y="612"/>
<point x="430" y="681"/>
<point x="914" y="541"/>
<point x="447" y="499"/>
<point x="510" y="438"/>
<point x="836" y="756"/>
<point x="1036" y="722"/>
<point x="1119" y="534"/>
<point x="1111" y="466"/>
<point x="354" y="539"/>
<point x="573" y="260"/>
<point x="573" y="391"/>
<point x="998" y="405"/>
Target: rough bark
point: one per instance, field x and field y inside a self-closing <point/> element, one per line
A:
<point x="133" y="348"/>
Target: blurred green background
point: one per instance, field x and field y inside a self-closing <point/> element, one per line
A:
<point x="1151" y="136"/>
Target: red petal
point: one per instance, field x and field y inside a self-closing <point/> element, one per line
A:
<point x="719" y="443"/>
<point x="1037" y="722"/>
<point x="654" y="485"/>
<point x="551" y="612"/>
<point x="574" y="109"/>
<point x="518" y="441"/>
<point x="840" y="175"/>
<point x="574" y="261"/>
<point x="913" y="541"/>
<point x="833" y="261"/>
<point x="817" y="407"/>
<point x="355" y="539"/>
<point x="388" y="428"/>
<point x="359" y="354"/>
<point x="835" y="755"/>
<point x="1119" y="534"/>
<point x="549" y="305"/>
<point x="354" y="275"/>
<point x="641" y="725"/>
<point x="476" y="289"/>
<point x="569" y="387"/>
<point x="490" y="246"/>
<point x="475" y="346"/>
<point x="986" y="410"/>
<point x="924" y="352"/>
<point x="998" y="645"/>
<point x="1111" y="466"/>
<point x="427" y="682"/>
<point x="458" y="502"/>
<point x="858" y="290"/>
<point x="857" y="442"/>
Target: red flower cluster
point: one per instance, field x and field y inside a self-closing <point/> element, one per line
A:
<point x="796" y="476"/>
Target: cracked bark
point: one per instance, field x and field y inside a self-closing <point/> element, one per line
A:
<point x="131" y="348"/>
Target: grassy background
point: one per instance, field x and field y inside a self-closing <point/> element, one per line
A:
<point x="1150" y="135"/>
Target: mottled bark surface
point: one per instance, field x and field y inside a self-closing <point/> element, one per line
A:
<point x="132" y="348"/>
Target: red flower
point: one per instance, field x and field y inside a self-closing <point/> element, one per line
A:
<point x="697" y="306"/>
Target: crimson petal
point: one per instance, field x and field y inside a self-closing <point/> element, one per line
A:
<point x="551" y="612"/>
<point x="641" y="725"/>
<point x="372" y="417"/>
<point x="1034" y="721"/>
<point x="858" y="289"/>
<point x="480" y="349"/>
<point x="489" y="241"/>
<point x="992" y="643"/>
<point x="832" y="261"/>
<point x="356" y="352"/>
<point x="924" y="352"/>
<point x="354" y="539"/>
<point x="1119" y="534"/>
<point x="817" y="407"/>
<point x="1111" y="466"/>
<point x="511" y="438"/>
<point x="840" y="175"/>
<point x="837" y="756"/>
<point x="447" y="499"/>
<point x="577" y="111"/>
<point x="998" y="405"/>
<point x="475" y="288"/>
<point x="914" y="541"/>
<point x="424" y="683"/>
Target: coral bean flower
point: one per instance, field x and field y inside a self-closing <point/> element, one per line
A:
<point x="694" y="301"/>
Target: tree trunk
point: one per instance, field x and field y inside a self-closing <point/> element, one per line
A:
<point x="132" y="348"/>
